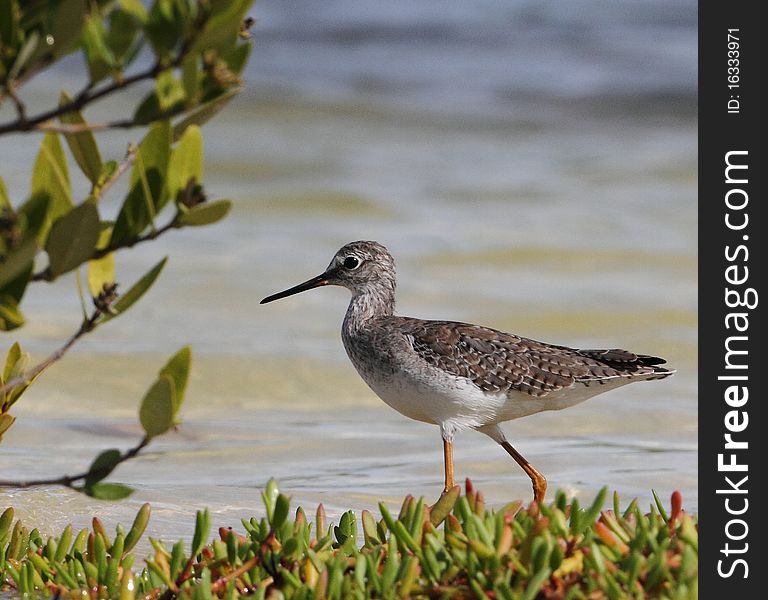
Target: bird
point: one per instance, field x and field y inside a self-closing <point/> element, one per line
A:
<point x="461" y="376"/>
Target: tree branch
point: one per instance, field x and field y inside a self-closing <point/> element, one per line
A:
<point x="85" y="97"/>
<point x="70" y="480"/>
<point x="119" y="124"/>
<point x="173" y="224"/>
<point x="45" y="274"/>
<point x="89" y="94"/>
<point x="28" y="73"/>
<point x="26" y="378"/>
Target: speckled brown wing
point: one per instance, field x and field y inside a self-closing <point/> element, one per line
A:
<point x="501" y="362"/>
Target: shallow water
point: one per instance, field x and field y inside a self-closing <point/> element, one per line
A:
<point x="563" y="209"/>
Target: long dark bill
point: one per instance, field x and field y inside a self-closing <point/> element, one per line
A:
<point x="318" y="281"/>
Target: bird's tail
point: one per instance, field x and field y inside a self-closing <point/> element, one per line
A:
<point x="629" y="364"/>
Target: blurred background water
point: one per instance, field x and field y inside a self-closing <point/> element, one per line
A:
<point x="532" y="167"/>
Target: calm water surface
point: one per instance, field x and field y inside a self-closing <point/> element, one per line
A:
<point x="530" y="166"/>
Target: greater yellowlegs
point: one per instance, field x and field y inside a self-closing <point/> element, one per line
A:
<point x="456" y="375"/>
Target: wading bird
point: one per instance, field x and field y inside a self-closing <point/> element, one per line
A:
<point x="460" y="376"/>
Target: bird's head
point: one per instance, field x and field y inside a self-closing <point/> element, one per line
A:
<point x="361" y="267"/>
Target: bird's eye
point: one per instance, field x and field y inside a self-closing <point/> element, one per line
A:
<point x="351" y="262"/>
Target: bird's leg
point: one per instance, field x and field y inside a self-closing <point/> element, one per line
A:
<point x="537" y="479"/>
<point x="448" y="460"/>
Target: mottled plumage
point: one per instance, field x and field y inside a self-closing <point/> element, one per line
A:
<point x="501" y="362"/>
<point x="458" y="375"/>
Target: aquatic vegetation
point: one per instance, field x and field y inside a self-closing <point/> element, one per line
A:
<point x="455" y="548"/>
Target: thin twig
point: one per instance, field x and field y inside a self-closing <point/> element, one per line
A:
<point x="173" y="224"/>
<point x="45" y="274"/>
<point x="28" y="73"/>
<point x="89" y="94"/>
<point x="51" y="127"/>
<point x="85" y="97"/>
<point x="127" y="163"/>
<point x="26" y="378"/>
<point x="70" y="480"/>
<point x="21" y="110"/>
<point x="119" y="124"/>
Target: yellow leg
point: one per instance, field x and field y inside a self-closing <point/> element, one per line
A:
<point x="537" y="479"/>
<point x="448" y="459"/>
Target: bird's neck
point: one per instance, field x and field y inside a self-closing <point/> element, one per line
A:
<point x="368" y="304"/>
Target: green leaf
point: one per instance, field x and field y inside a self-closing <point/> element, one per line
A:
<point x="535" y="583"/>
<point x="170" y="91"/>
<point x="73" y="239"/>
<point x="108" y="170"/>
<point x="148" y="109"/>
<point x="9" y="23"/>
<point x="108" y="491"/>
<point x="659" y="505"/>
<point x="156" y="412"/>
<point x="203" y="113"/>
<point x="10" y="316"/>
<point x="125" y="301"/>
<point x="135" y="8"/>
<point x="190" y="78"/>
<point x="168" y="97"/>
<point x="6" y="421"/>
<point x="135" y="215"/>
<point x="280" y="514"/>
<point x="237" y="58"/>
<point x="153" y="152"/>
<point x="5" y="202"/>
<point x="83" y="144"/>
<point x="13" y="291"/>
<point x="206" y="213"/>
<point x="99" y="57"/>
<point x="28" y="50"/>
<point x="102" y="270"/>
<point x="186" y="161"/>
<point x="51" y="176"/>
<point x="63" y="545"/>
<point x="18" y="261"/>
<point x="202" y="530"/>
<point x="33" y="214"/>
<point x="269" y="495"/>
<point x="370" y="532"/>
<point x="221" y="31"/>
<point x="165" y="25"/>
<point x="15" y="362"/>
<point x="102" y="466"/>
<point x="67" y="25"/>
<point x="177" y="368"/>
<point x="444" y="505"/>
<point x="31" y="220"/>
<point x="148" y="193"/>
<point x="138" y="527"/>
<point x="122" y="37"/>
